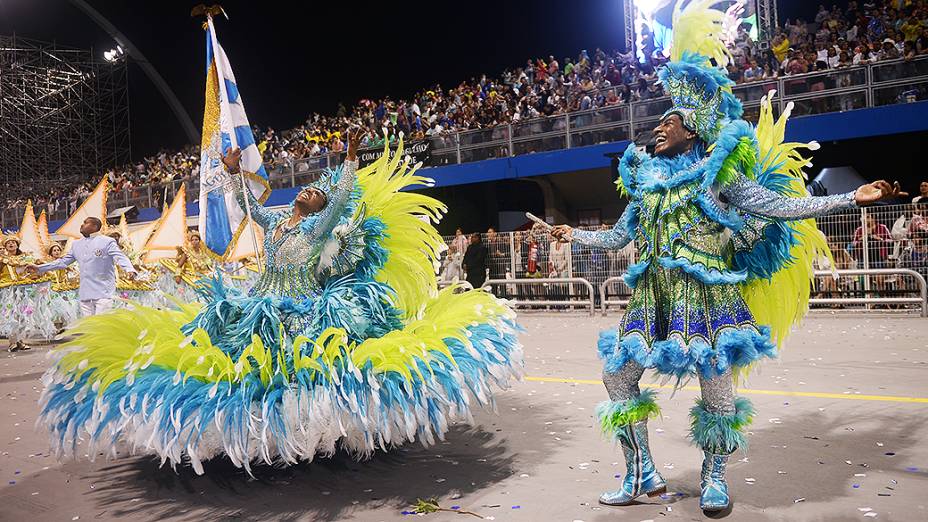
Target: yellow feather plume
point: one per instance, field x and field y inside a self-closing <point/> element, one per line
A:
<point x="698" y="28"/>
<point x="412" y="242"/>
<point x="783" y="300"/>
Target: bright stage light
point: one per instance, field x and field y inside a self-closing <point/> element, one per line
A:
<point x="114" y="55"/>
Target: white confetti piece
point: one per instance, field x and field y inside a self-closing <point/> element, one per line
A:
<point x="800" y="499"/>
<point x="864" y="509"/>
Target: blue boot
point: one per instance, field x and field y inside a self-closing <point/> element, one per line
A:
<point x="641" y="477"/>
<point x="719" y="435"/>
<point x="714" y="495"/>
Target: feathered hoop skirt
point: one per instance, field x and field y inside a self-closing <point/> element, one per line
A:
<point x="229" y="378"/>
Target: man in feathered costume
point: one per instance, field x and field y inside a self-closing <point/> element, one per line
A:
<point x="344" y="342"/>
<point x="726" y="240"/>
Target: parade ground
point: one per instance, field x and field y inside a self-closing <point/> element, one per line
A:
<point x="839" y="435"/>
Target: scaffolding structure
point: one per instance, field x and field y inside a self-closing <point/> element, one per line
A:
<point x="64" y="115"/>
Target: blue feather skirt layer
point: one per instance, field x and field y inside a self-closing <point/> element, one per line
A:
<point x="297" y="413"/>
<point x="680" y="326"/>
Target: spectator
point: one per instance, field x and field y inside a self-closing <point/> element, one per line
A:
<point x="879" y="242"/>
<point x="475" y="262"/>
<point x="922" y="196"/>
<point x="888" y="51"/>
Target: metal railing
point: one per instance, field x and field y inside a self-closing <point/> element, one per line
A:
<point x="604" y="302"/>
<point x="834" y="90"/>
<point x="878" y="273"/>
<point x="544" y="282"/>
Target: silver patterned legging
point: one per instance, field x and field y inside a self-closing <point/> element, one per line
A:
<point x="717" y="392"/>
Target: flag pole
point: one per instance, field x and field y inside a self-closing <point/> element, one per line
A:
<point x="250" y="223"/>
<point x="218" y="57"/>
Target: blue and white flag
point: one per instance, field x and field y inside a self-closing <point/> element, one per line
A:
<point x="225" y="126"/>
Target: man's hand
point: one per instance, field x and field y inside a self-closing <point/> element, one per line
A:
<point x="32" y="269"/>
<point x="562" y="233"/>
<point x="878" y="191"/>
<point x="354" y="141"/>
<point x="232" y="160"/>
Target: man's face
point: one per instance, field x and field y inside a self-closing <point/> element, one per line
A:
<point x="671" y="138"/>
<point x="310" y="201"/>
<point x="923" y="187"/>
<point x="88" y="227"/>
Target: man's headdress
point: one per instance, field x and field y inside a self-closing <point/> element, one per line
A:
<point x="695" y="78"/>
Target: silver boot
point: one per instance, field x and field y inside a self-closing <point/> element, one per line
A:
<point x="641" y="477"/>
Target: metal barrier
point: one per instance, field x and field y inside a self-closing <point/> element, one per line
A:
<point x="545" y="281"/>
<point x="922" y="300"/>
<point x="603" y="292"/>
<point x="461" y="283"/>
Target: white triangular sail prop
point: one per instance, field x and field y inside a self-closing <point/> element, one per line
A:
<point x="44" y="236"/>
<point x="245" y="245"/>
<point x="29" y="233"/>
<point x="171" y="232"/>
<point x="93" y="206"/>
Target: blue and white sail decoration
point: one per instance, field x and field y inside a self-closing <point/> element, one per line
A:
<point x="225" y="126"/>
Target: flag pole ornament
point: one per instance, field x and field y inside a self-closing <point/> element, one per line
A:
<point x="225" y="127"/>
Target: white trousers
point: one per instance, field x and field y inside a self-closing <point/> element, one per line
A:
<point x="95" y="307"/>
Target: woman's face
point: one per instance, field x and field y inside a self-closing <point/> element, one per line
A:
<point x="11" y="247"/>
<point x="56" y="251"/>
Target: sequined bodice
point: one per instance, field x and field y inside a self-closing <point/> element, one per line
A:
<point x="293" y="251"/>
<point x="673" y="225"/>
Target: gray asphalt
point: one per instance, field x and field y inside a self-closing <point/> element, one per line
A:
<point x="839" y="435"/>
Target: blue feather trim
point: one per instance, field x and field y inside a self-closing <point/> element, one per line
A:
<point x="727" y="218"/>
<point x="635" y="272"/>
<point x="628" y="169"/>
<point x="729" y="138"/>
<point x="709" y="276"/>
<point x="770" y="253"/>
<point x="734" y="348"/>
<point x="717" y="433"/>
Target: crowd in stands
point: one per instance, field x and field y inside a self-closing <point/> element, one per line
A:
<point x="862" y="33"/>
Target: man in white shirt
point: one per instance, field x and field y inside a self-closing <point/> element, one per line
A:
<point x="96" y="257"/>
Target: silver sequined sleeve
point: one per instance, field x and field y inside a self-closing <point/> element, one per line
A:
<point x="749" y="196"/>
<point x="349" y="173"/>
<point x="264" y="217"/>
<point x="616" y="238"/>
